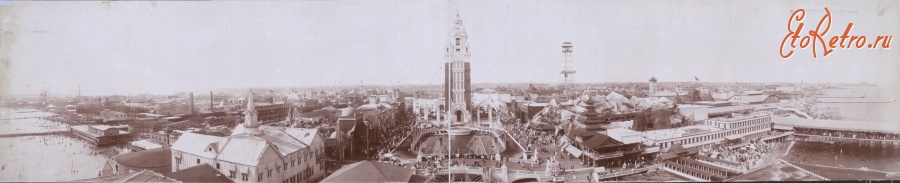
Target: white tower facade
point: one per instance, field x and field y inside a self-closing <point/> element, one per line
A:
<point x="457" y="83"/>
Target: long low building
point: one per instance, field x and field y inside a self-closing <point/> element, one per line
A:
<point x="715" y="130"/>
<point x="845" y="125"/>
<point x="100" y="135"/>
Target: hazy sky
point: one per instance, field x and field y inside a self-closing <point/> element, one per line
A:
<point x="138" y="47"/>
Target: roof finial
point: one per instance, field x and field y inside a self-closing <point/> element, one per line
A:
<point x="457" y="14"/>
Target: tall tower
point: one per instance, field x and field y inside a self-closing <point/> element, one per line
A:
<point x="251" y="124"/>
<point x="211" y="102"/>
<point x="457" y="82"/>
<point x="567" y="69"/>
<point x="652" y="85"/>
<point x="192" y="104"/>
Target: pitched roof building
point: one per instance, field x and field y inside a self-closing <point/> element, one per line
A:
<point x="255" y="153"/>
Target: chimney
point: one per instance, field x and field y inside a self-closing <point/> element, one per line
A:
<point x="211" y="102"/>
<point x="192" y="102"/>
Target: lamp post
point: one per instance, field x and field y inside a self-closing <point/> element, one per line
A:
<point x="368" y="128"/>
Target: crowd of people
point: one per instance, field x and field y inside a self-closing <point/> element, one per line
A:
<point x="390" y="135"/>
<point x="69" y="118"/>
<point x="747" y="156"/>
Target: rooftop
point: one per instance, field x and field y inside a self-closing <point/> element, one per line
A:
<point x="86" y="129"/>
<point x="728" y="109"/>
<point x="244" y="148"/>
<point x="140" y="176"/>
<point x="146" y="159"/>
<point x="146" y="144"/>
<point x="371" y="171"/>
<point x="738" y="118"/>
<point x="199" y="173"/>
<point x="672" y="133"/>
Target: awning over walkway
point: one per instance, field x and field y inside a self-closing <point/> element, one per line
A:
<point x="783" y="127"/>
<point x="651" y="150"/>
<point x="574" y="151"/>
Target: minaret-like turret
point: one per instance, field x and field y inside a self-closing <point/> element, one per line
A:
<point x="251" y="124"/>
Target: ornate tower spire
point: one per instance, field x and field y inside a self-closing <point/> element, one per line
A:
<point x="251" y="124"/>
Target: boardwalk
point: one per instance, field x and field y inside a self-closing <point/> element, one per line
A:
<point x="33" y="134"/>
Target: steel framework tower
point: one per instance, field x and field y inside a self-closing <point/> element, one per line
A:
<point x="567" y="69"/>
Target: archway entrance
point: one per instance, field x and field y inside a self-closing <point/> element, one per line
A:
<point x="459" y="115"/>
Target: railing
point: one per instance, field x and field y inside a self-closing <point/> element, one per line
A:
<point x="832" y="138"/>
<point x="720" y="165"/>
<point x="526" y="172"/>
<point x="408" y="161"/>
<point x="551" y="179"/>
<point x="626" y="172"/>
<point x="521" y="160"/>
<point x="579" y="170"/>
<point x="604" y="155"/>
<point x="460" y="169"/>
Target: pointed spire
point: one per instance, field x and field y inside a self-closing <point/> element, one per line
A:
<point x="250" y="106"/>
<point x="251" y="123"/>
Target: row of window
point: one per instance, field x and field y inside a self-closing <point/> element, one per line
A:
<point x="716" y="172"/>
<point x="729" y="125"/>
<point x="278" y="169"/>
<point x="715" y="136"/>
<point x="691" y="173"/>
<point x="299" y="177"/>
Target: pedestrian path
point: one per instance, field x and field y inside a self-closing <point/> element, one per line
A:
<point x="33" y="134"/>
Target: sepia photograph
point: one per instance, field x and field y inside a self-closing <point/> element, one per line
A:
<point x="492" y="91"/>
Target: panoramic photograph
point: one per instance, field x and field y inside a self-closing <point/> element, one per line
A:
<point x="449" y="91"/>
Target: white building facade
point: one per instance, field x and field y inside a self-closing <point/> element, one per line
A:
<point x="255" y="153"/>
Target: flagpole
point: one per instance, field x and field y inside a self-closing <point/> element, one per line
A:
<point x="448" y="83"/>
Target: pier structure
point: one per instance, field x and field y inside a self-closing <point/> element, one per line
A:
<point x="840" y="131"/>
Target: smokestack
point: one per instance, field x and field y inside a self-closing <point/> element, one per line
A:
<point x="211" y="102"/>
<point x="192" y="103"/>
